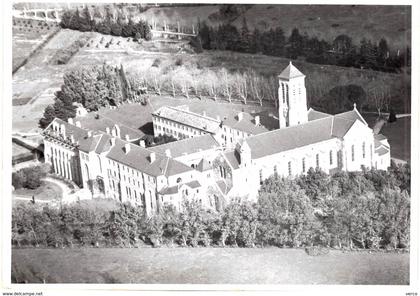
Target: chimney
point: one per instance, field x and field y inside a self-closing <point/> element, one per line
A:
<point x="127" y="148"/>
<point x="112" y="141"/>
<point x="152" y="157"/>
<point x="63" y="131"/>
<point x="78" y="124"/>
<point x="70" y="120"/>
<point x="204" y="113"/>
<point x="240" y="116"/>
<point x="218" y="118"/>
<point x="89" y="134"/>
<point x="168" y="152"/>
<point x="107" y="130"/>
<point x="143" y="143"/>
<point x="127" y="137"/>
<point x="257" y="120"/>
<point x="117" y="131"/>
<point x="72" y="138"/>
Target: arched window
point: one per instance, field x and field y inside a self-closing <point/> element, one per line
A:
<point x="317" y="160"/>
<point x="179" y="180"/>
<point x="303" y="165"/>
<point x="261" y="178"/>
<point x="364" y="149"/>
<point x="352" y="152"/>
<point x="331" y="157"/>
<point x="289" y="168"/>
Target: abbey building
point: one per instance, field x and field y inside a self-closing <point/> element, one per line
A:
<point x="215" y="158"/>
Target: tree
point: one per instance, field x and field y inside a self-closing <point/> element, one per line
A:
<point x="295" y="44"/>
<point x="285" y="213"/>
<point x="245" y="38"/>
<point x="342" y="44"/>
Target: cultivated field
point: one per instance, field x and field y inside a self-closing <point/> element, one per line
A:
<point x="207" y="266"/>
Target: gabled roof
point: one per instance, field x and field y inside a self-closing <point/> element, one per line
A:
<point x="352" y="115"/>
<point x="84" y="142"/>
<point x="182" y="115"/>
<point x="313" y="114"/>
<point x="139" y="159"/>
<point x="290" y="72"/>
<point x="204" y="165"/>
<point x="311" y="132"/>
<point x="246" y="124"/>
<point x="175" y="189"/>
<point x="187" y="146"/>
<point x="233" y="158"/>
<point x="381" y="151"/>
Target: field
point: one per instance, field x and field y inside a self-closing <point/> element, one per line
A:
<point x="208" y="266"/>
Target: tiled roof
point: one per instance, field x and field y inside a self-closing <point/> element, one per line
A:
<point x="84" y="142"/>
<point x="174" y="189"/>
<point x="139" y="159"/>
<point x="101" y="123"/>
<point x="351" y="115"/>
<point x="290" y="72"/>
<point x="204" y="165"/>
<point x="186" y="117"/>
<point x="246" y="124"/>
<point x="381" y="151"/>
<point x="300" y="135"/>
<point x="313" y="114"/>
<point x="104" y="143"/>
<point x="379" y="137"/>
<point x="233" y="158"/>
<point x="187" y="146"/>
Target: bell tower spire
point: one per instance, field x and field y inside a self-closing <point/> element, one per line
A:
<point x="293" y="108"/>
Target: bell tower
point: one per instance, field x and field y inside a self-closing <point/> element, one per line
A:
<point x="293" y="108"/>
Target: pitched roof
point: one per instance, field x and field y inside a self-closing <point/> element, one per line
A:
<point x="139" y="159"/>
<point x="290" y="72"/>
<point x="187" y="146"/>
<point x="85" y="142"/>
<point x="351" y="115"/>
<point x="381" y="151"/>
<point x="174" y="189"/>
<point x="246" y="124"/>
<point x="204" y="165"/>
<point x="233" y="158"/>
<point x="313" y="114"/>
<point x="101" y="123"/>
<point x="182" y="115"/>
<point x="289" y="138"/>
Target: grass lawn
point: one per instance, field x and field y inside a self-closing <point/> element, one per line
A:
<point x="208" y="266"/>
<point x="399" y="137"/>
<point x="47" y="191"/>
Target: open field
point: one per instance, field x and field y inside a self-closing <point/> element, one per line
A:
<point x="329" y="21"/>
<point x="208" y="266"/>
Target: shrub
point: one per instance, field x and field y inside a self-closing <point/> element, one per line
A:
<point x="156" y="63"/>
<point x="179" y="62"/>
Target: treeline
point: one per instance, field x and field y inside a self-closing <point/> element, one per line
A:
<point x="367" y="210"/>
<point x="274" y="42"/>
<point x="110" y="25"/>
<point x="92" y="87"/>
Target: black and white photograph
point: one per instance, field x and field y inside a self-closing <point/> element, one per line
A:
<point x="196" y="146"/>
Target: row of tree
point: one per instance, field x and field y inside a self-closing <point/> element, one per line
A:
<point x="274" y="42"/>
<point x="109" y="25"/>
<point x="104" y="85"/>
<point x="368" y="210"/>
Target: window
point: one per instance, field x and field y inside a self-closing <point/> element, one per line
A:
<point x="352" y="152"/>
<point x="275" y="170"/>
<point x="364" y="149"/>
<point x="289" y="167"/>
<point x="303" y="165"/>
<point x="261" y="178"/>
<point x="331" y="157"/>
<point x="317" y="161"/>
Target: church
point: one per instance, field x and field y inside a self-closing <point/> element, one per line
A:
<point x="215" y="159"/>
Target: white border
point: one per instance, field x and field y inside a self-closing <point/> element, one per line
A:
<point x="99" y="289"/>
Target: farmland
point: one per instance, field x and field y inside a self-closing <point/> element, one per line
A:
<point x="208" y="266"/>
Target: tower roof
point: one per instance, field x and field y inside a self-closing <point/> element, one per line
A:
<point x="290" y="72"/>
